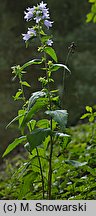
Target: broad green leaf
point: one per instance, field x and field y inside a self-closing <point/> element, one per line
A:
<point x="34" y="97"/>
<point x="92" y="1"/>
<point x="89" y="109"/>
<point x="32" y="62"/>
<point x="94" y="19"/>
<point x="44" y="123"/>
<point x="21" y="113"/>
<point x="93" y="8"/>
<point x="37" y="137"/>
<point x="14" y="144"/>
<point x="60" y="116"/>
<point x="91" y="119"/>
<point x="85" y="115"/>
<point x="89" y="17"/>
<point x="51" y="52"/>
<point x="55" y="67"/>
<point x="75" y="163"/>
<point x="25" y="84"/>
<point x="39" y="104"/>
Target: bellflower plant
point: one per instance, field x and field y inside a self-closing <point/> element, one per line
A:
<point x="40" y="136"/>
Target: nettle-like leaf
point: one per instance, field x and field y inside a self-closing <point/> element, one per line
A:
<point x="34" y="97"/>
<point x="32" y="62"/>
<point x="51" y="52"/>
<point x="39" y="104"/>
<point x="14" y="144"/>
<point x="37" y="137"/>
<point x="60" y="116"/>
<point x="56" y="67"/>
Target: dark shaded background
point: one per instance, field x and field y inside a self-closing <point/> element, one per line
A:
<point x="69" y="25"/>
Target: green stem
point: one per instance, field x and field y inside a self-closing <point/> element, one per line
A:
<point x="41" y="171"/>
<point x="51" y="138"/>
<point x="22" y="89"/>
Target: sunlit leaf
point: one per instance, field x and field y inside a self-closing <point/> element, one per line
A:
<point x="34" y="97"/>
<point x="32" y="62"/>
<point x="51" y="52"/>
<point x="39" y="104"/>
<point x="60" y="116"/>
<point x="56" y="67"/>
<point x="14" y="144"/>
<point x="43" y="123"/>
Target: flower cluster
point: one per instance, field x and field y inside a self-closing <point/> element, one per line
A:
<point x="40" y="14"/>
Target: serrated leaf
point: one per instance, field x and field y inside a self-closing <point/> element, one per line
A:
<point x="60" y="116"/>
<point x="25" y="83"/>
<point x="37" y="137"/>
<point x="39" y="104"/>
<point x="51" y="52"/>
<point x="75" y="163"/>
<point x="34" y="97"/>
<point x="32" y="62"/>
<point x="56" y="67"/>
<point x="14" y="144"/>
